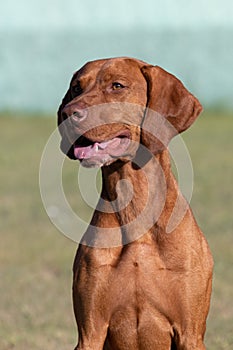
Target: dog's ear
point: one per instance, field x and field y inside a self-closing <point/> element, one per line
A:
<point x="171" y="108"/>
<point x="65" y="144"/>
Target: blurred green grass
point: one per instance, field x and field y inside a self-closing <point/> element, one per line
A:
<point x="36" y="260"/>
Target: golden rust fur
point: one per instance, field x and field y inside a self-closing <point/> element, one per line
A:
<point x="140" y="288"/>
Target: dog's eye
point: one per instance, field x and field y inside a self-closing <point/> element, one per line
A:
<point x="117" y="86"/>
<point x="77" y="90"/>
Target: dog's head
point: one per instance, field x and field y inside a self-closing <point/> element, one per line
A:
<point x="114" y="105"/>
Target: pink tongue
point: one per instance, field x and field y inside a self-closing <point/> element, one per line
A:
<point x="108" y="147"/>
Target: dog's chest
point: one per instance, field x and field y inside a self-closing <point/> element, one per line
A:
<point x="139" y="294"/>
<point x="136" y="277"/>
<point x="132" y="289"/>
<point x="141" y="277"/>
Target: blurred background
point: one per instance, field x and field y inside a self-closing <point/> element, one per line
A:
<point x="41" y="44"/>
<point x="44" y="42"/>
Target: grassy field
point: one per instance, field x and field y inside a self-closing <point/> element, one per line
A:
<point x="36" y="260"/>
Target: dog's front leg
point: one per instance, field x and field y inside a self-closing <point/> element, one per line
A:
<point x="93" y="340"/>
<point x="92" y="328"/>
<point x="91" y="299"/>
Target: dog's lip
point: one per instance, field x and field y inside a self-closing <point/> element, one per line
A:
<point x="114" y="146"/>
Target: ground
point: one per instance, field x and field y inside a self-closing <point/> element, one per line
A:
<point x="36" y="260"/>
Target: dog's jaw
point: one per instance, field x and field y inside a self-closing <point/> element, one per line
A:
<point x="100" y="153"/>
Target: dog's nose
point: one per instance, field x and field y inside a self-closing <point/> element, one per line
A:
<point x="76" y="113"/>
<point x="79" y="115"/>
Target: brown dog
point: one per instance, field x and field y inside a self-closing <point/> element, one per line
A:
<point x="143" y="271"/>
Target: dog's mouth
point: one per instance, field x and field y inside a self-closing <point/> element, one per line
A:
<point x="85" y="148"/>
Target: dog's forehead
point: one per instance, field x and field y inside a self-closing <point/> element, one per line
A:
<point x="112" y="66"/>
<point x="121" y="66"/>
<point x="89" y="70"/>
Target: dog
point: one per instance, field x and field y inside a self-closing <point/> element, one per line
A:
<point x="142" y="275"/>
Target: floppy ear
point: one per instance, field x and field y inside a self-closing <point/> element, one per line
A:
<point x="65" y="144"/>
<point x="171" y="108"/>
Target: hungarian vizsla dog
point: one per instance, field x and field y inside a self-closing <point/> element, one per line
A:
<point x="143" y="271"/>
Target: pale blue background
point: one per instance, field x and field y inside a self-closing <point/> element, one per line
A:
<point x="42" y="42"/>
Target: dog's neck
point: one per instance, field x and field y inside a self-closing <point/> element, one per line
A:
<point x="135" y="200"/>
<point x="130" y="187"/>
<point x="137" y="192"/>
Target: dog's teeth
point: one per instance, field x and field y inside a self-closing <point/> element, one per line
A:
<point x="96" y="147"/>
<point x="103" y="145"/>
